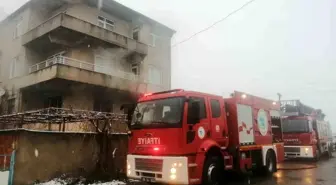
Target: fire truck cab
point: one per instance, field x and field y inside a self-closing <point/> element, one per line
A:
<point x="186" y="137"/>
<point x="306" y="133"/>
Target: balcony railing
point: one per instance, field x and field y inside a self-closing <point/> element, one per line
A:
<point x="83" y="65"/>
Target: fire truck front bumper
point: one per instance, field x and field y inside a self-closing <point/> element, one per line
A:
<point x="299" y="151"/>
<point x="162" y="169"/>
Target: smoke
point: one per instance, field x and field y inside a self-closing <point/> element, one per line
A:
<point x="3" y="14"/>
<point x="100" y="4"/>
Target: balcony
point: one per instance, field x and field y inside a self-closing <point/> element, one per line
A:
<point x="79" y="71"/>
<point x="64" y="30"/>
<point x="71" y="62"/>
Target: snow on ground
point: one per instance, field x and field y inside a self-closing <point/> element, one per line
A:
<point x="64" y="182"/>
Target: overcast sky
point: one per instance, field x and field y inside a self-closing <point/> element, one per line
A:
<point x="273" y="46"/>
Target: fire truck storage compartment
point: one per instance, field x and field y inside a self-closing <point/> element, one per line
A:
<point x="249" y="119"/>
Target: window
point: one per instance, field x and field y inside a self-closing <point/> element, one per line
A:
<point x="160" y="113"/>
<point x="154" y="75"/>
<point x="54" y="101"/>
<point x="11" y="106"/>
<point x="102" y="105"/>
<point x="135" y="69"/>
<point x="295" y="126"/>
<point x="13" y="68"/>
<point x="105" y="23"/>
<point x="153" y="39"/>
<point x="136" y="32"/>
<point x="18" y="29"/>
<point x="215" y="108"/>
<point x="201" y="102"/>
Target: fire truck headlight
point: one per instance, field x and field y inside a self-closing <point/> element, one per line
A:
<point x="128" y="168"/>
<point x="173" y="170"/>
<point x="306" y="150"/>
<point x="173" y="177"/>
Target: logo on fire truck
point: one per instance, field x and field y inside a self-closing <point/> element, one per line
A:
<point x="262" y="122"/>
<point x="149" y="141"/>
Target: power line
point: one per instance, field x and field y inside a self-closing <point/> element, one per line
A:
<point x="214" y="24"/>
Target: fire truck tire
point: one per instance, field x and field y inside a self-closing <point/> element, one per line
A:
<point x="271" y="165"/>
<point x="212" y="171"/>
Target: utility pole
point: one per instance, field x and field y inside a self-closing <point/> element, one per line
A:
<point x="279" y="97"/>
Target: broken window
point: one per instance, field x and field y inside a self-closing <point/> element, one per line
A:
<point x="105" y="23"/>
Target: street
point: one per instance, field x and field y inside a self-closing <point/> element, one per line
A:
<point x="324" y="174"/>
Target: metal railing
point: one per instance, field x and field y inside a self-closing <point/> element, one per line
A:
<point x="109" y="70"/>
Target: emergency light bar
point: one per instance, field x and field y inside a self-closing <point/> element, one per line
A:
<point x="164" y="92"/>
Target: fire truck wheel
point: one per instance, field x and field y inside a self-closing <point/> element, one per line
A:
<point x="270" y="167"/>
<point x="213" y="168"/>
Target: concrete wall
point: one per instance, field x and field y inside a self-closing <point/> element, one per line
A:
<point x="43" y="156"/>
<point x="33" y="15"/>
<point x="11" y="47"/>
<point x="90" y="14"/>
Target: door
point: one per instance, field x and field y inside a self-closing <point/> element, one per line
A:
<point x="217" y="120"/>
<point x="196" y="132"/>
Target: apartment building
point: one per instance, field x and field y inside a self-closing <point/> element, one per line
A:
<point x="81" y="54"/>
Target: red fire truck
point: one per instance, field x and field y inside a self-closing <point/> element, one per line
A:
<point x="186" y="137"/>
<point x="306" y="134"/>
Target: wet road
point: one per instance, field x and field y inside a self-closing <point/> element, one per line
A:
<point x="324" y="174"/>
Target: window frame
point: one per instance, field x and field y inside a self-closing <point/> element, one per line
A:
<point x="13" y="68"/>
<point x="137" y="31"/>
<point x="153" y="39"/>
<point x="137" y="67"/>
<point x="218" y="111"/>
<point x="18" y="31"/>
<point x="105" y="22"/>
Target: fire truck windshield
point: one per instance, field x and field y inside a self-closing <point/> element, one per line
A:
<point x="295" y="126"/>
<point x="160" y="113"/>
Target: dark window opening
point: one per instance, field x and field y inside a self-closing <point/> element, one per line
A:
<point x="136" y="33"/>
<point x="11" y="106"/>
<point x="215" y="109"/>
<point x="135" y="69"/>
<point x="55" y="101"/>
<point x="103" y="106"/>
